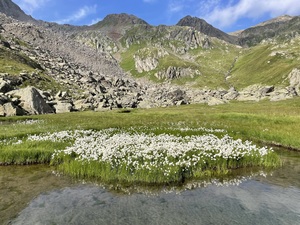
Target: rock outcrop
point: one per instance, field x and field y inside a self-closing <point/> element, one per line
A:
<point x="177" y="72"/>
<point x="294" y="78"/>
<point x="205" y="28"/>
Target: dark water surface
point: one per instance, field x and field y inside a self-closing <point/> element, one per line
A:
<point x="33" y="195"/>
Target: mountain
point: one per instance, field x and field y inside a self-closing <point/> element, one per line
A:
<point x="279" y="26"/>
<point x="279" y="19"/>
<point x="205" y="28"/>
<point x="122" y="61"/>
<point x="114" y="25"/>
<point x="13" y="10"/>
<point x="119" y="20"/>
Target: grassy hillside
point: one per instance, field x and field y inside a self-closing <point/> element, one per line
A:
<point x="213" y="63"/>
<point x="267" y="64"/>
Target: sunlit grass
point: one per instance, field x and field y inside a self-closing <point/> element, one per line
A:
<point x="263" y="123"/>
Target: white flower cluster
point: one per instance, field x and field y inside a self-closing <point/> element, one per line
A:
<point x="10" y="141"/>
<point x="30" y="122"/>
<point x="182" y="126"/>
<point x="147" y="151"/>
<point x="54" y="137"/>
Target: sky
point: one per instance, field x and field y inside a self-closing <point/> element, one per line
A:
<point x="226" y="15"/>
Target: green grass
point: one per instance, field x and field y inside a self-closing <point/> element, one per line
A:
<point x="269" y="122"/>
<point x="264" y="123"/>
<point x="205" y="168"/>
<point x="14" y="63"/>
<point x="29" y="153"/>
<point x="257" y="66"/>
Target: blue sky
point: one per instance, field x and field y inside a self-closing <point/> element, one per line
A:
<point x="227" y="15"/>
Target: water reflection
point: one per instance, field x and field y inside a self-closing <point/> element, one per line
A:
<point x="253" y="197"/>
<point x="250" y="203"/>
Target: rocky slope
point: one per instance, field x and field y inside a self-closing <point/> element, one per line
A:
<point x="123" y="62"/>
<point x="280" y="26"/>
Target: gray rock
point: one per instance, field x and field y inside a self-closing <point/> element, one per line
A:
<point x="215" y="101"/>
<point x="280" y="94"/>
<point x="231" y="94"/>
<point x="2" y="112"/>
<point x="3" y="99"/>
<point x="32" y="101"/>
<point x="176" y="72"/>
<point x="294" y="78"/>
<point x="5" y="86"/>
<point x="63" y="107"/>
<point x="9" y="109"/>
<point x="82" y="105"/>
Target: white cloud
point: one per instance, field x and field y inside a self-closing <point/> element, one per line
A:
<point x="175" y="6"/>
<point x="80" y="14"/>
<point x="226" y="15"/>
<point x="96" y="20"/>
<point x="29" y="6"/>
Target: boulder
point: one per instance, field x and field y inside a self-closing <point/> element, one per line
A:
<point x="9" y="109"/>
<point x="63" y="107"/>
<point x="2" y="112"/>
<point x="32" y="101"/>
<point x="82" y="105"/>
<point x="215" y="101"/>
<point x="280" y="94"/>
<point x="5" y="86"/>
<point x="231" y="94"/>
<point x="294" y="78"/>
<point x="3" y="99"/>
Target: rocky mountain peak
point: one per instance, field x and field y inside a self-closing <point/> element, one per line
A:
<point x="114" y="25"/>
<point x="279" y="19"/>
<point x="282" y="25"/>
<point x="122" y="19"/>
<point x="205" y="28"/>
<point x="11" y="9"/>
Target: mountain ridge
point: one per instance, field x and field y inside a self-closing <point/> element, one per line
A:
<point x="117" y="23"/>
<point x="122" y="61"/>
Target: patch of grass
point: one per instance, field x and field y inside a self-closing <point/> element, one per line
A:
<point x="13" y="63"/>
<point x="28" y="153"/>
<point x="258" y="66"/>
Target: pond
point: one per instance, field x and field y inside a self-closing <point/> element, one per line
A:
<point x="36" y="195"/>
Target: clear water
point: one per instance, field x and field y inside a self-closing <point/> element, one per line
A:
<point x="262" y="198"/>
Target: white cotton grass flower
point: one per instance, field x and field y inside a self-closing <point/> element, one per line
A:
<point x="145" y="151"/>
<point x="30" y="122"/>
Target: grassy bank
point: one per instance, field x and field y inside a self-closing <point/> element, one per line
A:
<point x="263" y="123"/>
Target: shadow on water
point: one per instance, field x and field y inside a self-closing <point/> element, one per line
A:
<point x="250" y="196"/>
